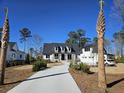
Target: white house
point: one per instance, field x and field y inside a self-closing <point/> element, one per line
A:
<point x="60" y="52"/>
<point x="63" y="52"/>
<point x="13" y="52"/>
<point x="89" y="55"/>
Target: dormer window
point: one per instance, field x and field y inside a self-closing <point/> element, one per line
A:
<point x="87" y="49"/>
<point x="66" y="49"/>
<point x="70" y="49"/>
<point x="56" y="49"/>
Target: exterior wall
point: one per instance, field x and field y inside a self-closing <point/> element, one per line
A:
<point x="14" y="55"/>
<point x="21" y="56"/>
<point x="44" y="57"/>
<point x="87" y="57"/>
<point x="90" y="58"/>
<point x="52" y="57"/>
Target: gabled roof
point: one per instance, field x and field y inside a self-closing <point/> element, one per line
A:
<point x="21" y="52"/>
<point x="48" y="48"/>
<point x="95" y="47"/>
<point x="11" y="44"/>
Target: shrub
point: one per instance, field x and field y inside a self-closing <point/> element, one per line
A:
<point x="81" y="67"/>
<point x="71" y="65"/>
<point x="39" y="58"/>
<point x="39" y="65"/>
<point x="84" y="67"/>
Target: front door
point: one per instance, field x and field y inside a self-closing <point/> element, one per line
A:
<point x="63" y="57"/>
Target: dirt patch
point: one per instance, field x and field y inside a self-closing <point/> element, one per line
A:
<point x="118" y="69"/>
<point x="88" y="82"/>
<point x="23" y="67"/>
<point x="14" y="76"/>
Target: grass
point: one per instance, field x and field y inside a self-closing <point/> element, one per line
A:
<point x="88" y="82"/>
<point x="14" y="75"/>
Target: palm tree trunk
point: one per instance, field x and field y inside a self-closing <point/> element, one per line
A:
<point x="3" y="64"/>
<point x="101" y="66"/>
<point x="4" y="46"/>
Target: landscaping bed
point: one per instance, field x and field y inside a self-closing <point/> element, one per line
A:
<point x="88" y="82"/>
<point x="118" y="69"/>
<point x="15" y="75"/>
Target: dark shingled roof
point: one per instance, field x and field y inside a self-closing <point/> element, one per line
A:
<point x="95" y="47"/>
<point x="12" y="44"/>
<point x="48" y="48"/>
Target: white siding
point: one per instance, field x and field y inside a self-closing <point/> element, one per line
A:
<point x="89" y="57"/>
<point x="14" y="55"/>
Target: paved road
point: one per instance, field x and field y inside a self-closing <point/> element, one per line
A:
<point x="53" y="80"/>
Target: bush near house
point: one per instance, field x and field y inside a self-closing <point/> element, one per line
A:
<point x="119" y="60"/>
<point x="81" y="67"/>
<point x="39" y="65"/>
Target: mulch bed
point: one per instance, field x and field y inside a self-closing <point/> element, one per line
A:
<point x="88" y="82"/>
<point x="14" y="77"/>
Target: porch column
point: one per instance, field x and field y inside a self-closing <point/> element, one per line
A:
<point x="60" y="56"/>
<point x="66" y="57"/>
<point x="73" y="57"/>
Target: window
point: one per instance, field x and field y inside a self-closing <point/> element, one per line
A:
<point x="47" y="56"/>
<point x="56" y="56"/>
<point x="69" y="57"/>
<point x="20" y="56"/>
<point x="87" y="49"/>
<point x="70" y="49"/>
<point x="13" y="55"/>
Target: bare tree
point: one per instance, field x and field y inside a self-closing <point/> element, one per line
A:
<point x="37" y="43"/>
<point x="118" y="15"/>
<point x="119" y="9"/>
<point x="119" y="42"/>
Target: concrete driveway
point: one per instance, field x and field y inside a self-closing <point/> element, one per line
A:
<point x="54" y="80"/>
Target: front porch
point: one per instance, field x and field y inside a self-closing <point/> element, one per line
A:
<point x="63" y="57"/>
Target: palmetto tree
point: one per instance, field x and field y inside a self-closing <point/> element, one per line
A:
<point x="101" y="66"/>
<point x="25" y="33"/>
<point x="4" y="45"/>
<point x="1" y="33"/>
